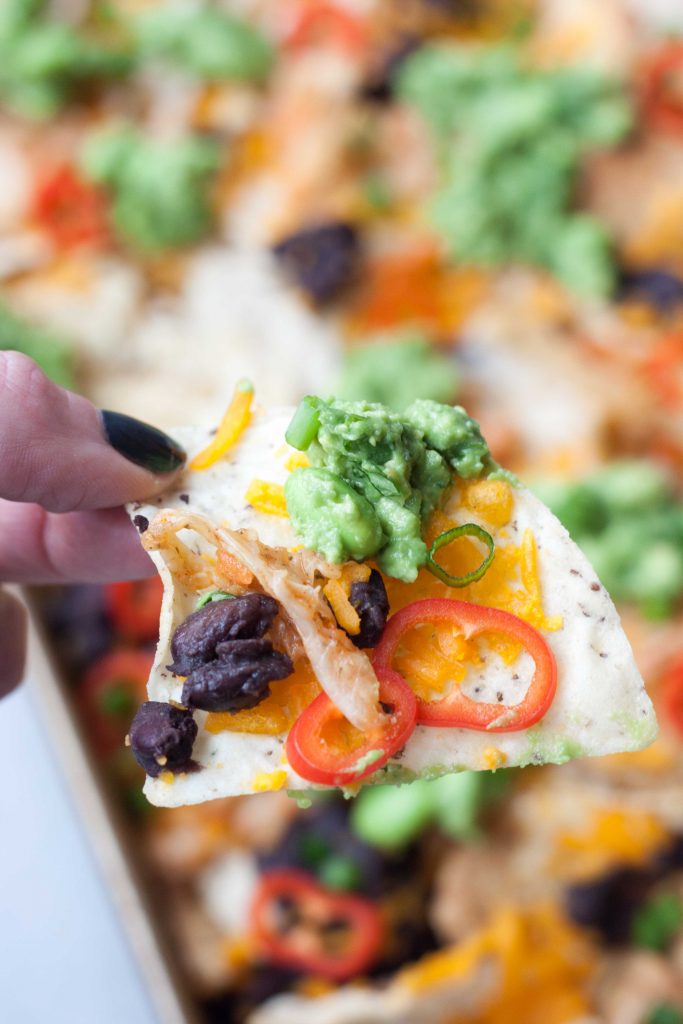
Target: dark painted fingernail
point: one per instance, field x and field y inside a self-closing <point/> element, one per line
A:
<point x="139" y="443"/>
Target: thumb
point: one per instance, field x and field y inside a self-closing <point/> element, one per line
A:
<point x="58" y="451"/>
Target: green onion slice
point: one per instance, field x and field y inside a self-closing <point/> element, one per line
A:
<point x="466" y="530"/>
<point x="303" y="429"/>
<point x="213" y="595"/>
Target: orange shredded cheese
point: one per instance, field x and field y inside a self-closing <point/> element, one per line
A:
<point x="545" y="965"/>
<point x="344" y="612"/>
<point x="266" y="782"/>
<point x="267" y="498"/>
<point x="237" y="952"/>
<point x="234" y="423"/>
<point x="494" y="758"/>
<point x="278" y="712"/>
<point x="490" y="499"/>
<point x="609" y="836"/>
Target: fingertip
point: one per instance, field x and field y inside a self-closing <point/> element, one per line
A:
<point x="142" y="444"/>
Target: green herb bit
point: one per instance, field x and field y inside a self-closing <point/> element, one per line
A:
<point x="466" y="530"/>
<point x="117" y="700"/>
<point x="657" y="922"/>
<point x="214" y="595"/>
<point x="665" y="1013"/>
<point x="339" y="872"/>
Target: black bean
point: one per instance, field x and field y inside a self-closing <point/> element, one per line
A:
<point x="372" y="604"/>
<point x="661" y="289"/>
<point x="141" y="523"/>
<point x="608" y="904"/>
<point x="161" y="738"/>
<point x="322" y="260"/>
<point x="239" y="678"/>
<point x="194" y="641"/>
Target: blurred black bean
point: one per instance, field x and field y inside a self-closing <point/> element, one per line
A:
<point x="323" y="260"/>
<point x="660" y="288"/>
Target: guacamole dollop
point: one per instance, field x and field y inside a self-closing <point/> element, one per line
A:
<point x="376" y="476"/>
<point x="205" y="41"/>
<point x="43" y="62"/>
<point x="629" y="523"/>
<point x="511" y="138"/>
<point x="54" y="354"/>
<point x="396" y="371"/>
<point x="160" y="189"/>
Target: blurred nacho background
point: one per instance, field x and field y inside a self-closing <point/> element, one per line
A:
<point x="477" y="201"/>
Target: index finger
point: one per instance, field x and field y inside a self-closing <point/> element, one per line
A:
<point x="59" y="451"/>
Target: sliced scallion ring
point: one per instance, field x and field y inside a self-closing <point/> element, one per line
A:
<point x="303" y="429"/>
<point x="466" y="530"/>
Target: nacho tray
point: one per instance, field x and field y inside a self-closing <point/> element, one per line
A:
<point x="123" y="872"/>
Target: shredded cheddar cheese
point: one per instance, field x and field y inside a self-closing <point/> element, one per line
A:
<point x="608" y="837"/>
<point x="233" y="424"/>
<point x="344" y="612"/>
<point x="494" y="758"/>
<point x="277" y="713"/>
<point x="545" y="965"/>
<point x="267" y="498"/>
<point x="490" y="499"/>
<point x="266" y="782"/>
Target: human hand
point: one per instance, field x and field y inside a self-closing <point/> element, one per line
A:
<point x="65" y="471"/>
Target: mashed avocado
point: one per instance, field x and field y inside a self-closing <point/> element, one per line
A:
<point x="205" y="41"/>
<point x="511" y="138"/>
<point x="52" y="353"/>
<point x="376" y="477"/>
<point x="159" y="189"/>
<point x="395" y="372"/>
<point x="43" y="61"/>
<point x="630" y="525"/>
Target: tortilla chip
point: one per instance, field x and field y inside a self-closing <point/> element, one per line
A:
<point x="601" y="706"/>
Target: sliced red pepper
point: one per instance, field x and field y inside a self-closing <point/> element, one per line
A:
<point x="70" y="210"/>
<point x="322" y="746"/>
<point x="133" y="608"/>
<point x="300" y="924"/>
<point x="111" y="690"/>
<point x="473" y="620"/>
<point x="662" y="106"/>
<point x="663" y="368"/>
<point x="671" y="696"/>
<point x="320" y="22"/>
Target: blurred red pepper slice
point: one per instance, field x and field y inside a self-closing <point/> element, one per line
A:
<point x="70" y="210"/>
<point x="109" y="693"/>
<point x="300" y="924"/>
<point x="662" y="88"/>
<point x="317" y="22"/>
<point x="472" y="620"/>
<point x="133" y="608"/>
<point x="322" y="746"/>
<point x="671" y="696"/>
